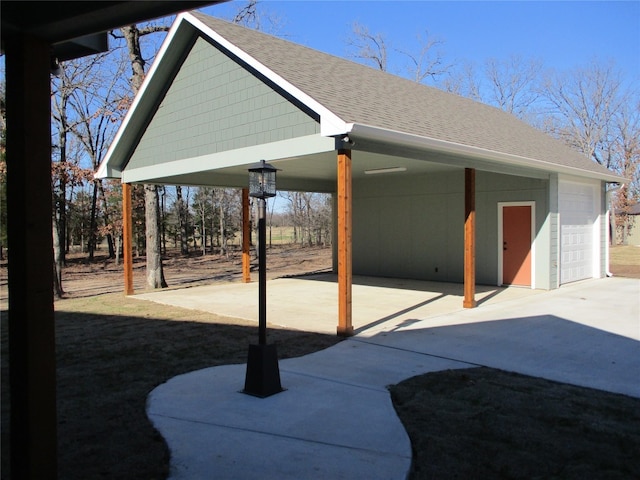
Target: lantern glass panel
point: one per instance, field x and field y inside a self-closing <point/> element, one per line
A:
<point x="262" y="181"/>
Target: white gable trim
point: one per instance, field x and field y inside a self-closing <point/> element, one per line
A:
<point x="105" y="170"/>
<point x="330" y="124"/>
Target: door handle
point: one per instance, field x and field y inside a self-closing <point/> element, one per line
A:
<point x="504" y="246"/>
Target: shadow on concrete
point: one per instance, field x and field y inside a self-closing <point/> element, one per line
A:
<point x="545" y="346"/>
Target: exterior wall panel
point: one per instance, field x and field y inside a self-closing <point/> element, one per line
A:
<point x="215" y="105"/>
<point x="413" y="226"/>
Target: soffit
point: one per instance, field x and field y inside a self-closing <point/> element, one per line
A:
<point x="71" y="27"/>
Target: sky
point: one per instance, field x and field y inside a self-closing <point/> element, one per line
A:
<point x="562" y="34"/>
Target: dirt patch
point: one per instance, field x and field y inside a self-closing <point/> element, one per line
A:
<point x="84" y="278"/>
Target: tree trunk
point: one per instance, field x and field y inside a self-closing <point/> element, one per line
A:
<point x="155" y="274"/>
<point x="203" y="234"/>
<point x="184" y="247"/>
<point x="163" y="212"/>
<point x="58" y="291"/>
<point x="118" y="247"/>
<point x="93" y="221"/>
<point x="223" y="237"/>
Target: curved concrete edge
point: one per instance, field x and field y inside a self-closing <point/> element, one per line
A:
<point x="324" y="425"/>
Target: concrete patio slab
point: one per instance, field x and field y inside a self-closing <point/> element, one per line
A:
<point x="310" y="303"/>
<point x="336" y="420"/>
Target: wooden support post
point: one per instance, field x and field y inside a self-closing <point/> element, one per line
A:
<point x="127" y="238"/>
<point x="469" y="238"/>
<point x="246" y="237"/>
<point x="31" y="326"/>
<point x="345" y="275"/>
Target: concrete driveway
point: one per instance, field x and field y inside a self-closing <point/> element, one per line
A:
<point x="336" y="419"/>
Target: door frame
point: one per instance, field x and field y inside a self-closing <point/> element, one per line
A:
<point x="501" y="206"/>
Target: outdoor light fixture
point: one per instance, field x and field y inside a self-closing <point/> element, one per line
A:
<point x="348" y="140"/>
<point x="263" y="374"/>
<point x="385" y="170"/>
<point x="262" y="180"/>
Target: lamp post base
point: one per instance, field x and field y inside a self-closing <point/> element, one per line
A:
<point x="263" y="374"/>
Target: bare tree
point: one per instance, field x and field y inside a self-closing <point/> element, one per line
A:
<point x="96" y="106"/>
<point x="249" y="15"/>
<point x="310" y="216"/>
<point x="582" y="106"/>
<point x="463" y="81"/>
<point x="67" y="173"/>
<point x="369" y="47"/>
<point x="512" y="84"/>
<point x="428" y="62"/>
<point x="155" y="273"/>
<point x="626" y="154"/>
<point x="627" y="144"/>
<point x="590" y="110"/>
<point x="182" y="211"/>
<point x="203" y="205"/>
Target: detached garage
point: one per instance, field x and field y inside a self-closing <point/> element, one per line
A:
<point x="427" y="185"/>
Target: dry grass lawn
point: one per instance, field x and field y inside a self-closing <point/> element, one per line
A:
<point x="625" y="261"/>
<point x="485" y="423"/>
<point x="111" y="352"/>
<point x="478" y="423"/>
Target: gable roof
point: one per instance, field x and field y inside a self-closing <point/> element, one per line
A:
<point x="369" y="105"/>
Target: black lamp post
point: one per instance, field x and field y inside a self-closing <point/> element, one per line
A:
<point x="263" y="375"/>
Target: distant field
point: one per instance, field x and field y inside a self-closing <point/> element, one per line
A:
<point x="275" y="236"/>
<point x="624" y="261"/>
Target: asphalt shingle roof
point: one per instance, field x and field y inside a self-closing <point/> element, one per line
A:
<point x="362" y="95"/>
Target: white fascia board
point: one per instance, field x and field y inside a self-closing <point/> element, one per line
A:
<point x="105" y="170"/>
<point x="416" y="141"/>
<point x="271" y="152"/>
<point x="330" y="123"/>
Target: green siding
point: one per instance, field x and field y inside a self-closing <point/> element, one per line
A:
<point x="413" y="227"/>
<point x="554" y="233"/>
<point x="604" y="227"/>
<point x="215" y="105"/>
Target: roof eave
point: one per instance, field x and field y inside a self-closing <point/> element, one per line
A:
<point x="368" y="132"/>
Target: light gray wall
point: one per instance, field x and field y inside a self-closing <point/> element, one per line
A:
<point x="409" y="226"/>
<point x="604" y="229"/>
<point x="553" y="223"/>
<point x="215" y="105"/>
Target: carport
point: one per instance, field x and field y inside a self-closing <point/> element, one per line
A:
<point x="427" y="185"/>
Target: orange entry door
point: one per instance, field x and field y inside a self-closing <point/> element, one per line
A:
<point x="516" y="245"/>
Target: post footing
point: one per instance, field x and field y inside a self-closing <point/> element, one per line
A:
<point x="345" y="331"/>
<point x="263" y="374"/>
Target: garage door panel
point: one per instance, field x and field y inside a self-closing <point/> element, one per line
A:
<point x="577" y="243"/>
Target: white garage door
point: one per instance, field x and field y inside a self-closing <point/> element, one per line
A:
<point x="577" y="208"/>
